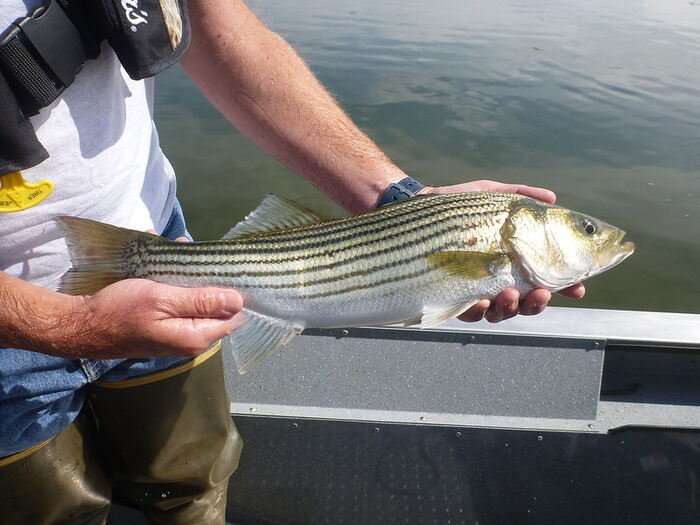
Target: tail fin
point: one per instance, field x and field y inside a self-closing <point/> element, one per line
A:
<point x="97" y="253"/>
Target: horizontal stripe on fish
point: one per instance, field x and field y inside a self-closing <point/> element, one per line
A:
<point x="285" y="270"/>
<point x="193" y="256"/>
<point x="234" y="252"/>
<point x="311" y="267"/>
<point x="401" y="258"/>
<point x="303" y="294"/>
<point x="291" y="249"/>
<point x="326" y="232"/>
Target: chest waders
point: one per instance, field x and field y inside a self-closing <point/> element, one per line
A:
<point x="162" y="442"/>
<point x="165" y="441"/>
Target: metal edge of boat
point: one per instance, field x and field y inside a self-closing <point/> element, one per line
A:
<point x="641" y="366"/>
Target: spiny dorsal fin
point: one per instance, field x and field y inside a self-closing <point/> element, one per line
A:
<point x="273" y="213"/>
<point x="467" y="265"/>
<point x="256" y="337"/>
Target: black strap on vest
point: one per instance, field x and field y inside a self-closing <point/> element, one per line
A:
<point x="41" y="53"/>
<point x="19" y="147"/>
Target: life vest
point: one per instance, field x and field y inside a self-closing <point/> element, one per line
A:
<point x="42" y="52"/>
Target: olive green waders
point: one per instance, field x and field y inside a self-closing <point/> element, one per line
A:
<point x="164" y="441"/>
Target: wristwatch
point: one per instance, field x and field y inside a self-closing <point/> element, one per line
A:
<point x="401" y="190"/>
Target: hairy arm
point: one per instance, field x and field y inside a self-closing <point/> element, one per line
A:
<point x="132" y="318"/>
<point x="34" y="318"/>
<point x="266" y="90"/>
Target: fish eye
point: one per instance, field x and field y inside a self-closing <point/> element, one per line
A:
<point x="589" y="227"/>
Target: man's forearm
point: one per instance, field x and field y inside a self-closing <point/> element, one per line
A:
<point x="38" y="319"/>
<point x="130" y="318"/>
<point x="266" y="90"/>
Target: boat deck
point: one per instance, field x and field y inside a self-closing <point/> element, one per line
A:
<point x="589" y="414"/>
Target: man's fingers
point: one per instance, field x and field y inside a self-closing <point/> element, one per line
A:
<point x="508" y="304"/>
<point x="179" y="239"/>
<point x="212" y="329"/>
<point x="476" y="312"/>
<point x="535" y="302"/>
<point x="194" y="336"/>
<point x="577" y="291"/>
<point x="204" y="303"/>
<point x="541" y="194"/>
<point x="504" y="306"/>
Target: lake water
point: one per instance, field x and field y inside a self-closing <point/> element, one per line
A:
<point x="598" y="101"/>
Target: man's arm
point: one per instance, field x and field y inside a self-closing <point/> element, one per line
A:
<point x="132" y="318"/>
<point x="267" y="91"/>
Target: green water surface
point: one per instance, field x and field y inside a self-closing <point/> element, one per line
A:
<point x="598" y="101"/>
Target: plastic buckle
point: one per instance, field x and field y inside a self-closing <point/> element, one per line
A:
<point x="55" y="39"/>
<point x="16" y="194"/>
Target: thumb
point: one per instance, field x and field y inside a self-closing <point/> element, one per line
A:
<point x="208" y="302"/>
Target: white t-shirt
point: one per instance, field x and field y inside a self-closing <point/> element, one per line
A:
<point x="105" y="162"/>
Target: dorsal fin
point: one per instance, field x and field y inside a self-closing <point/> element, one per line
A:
<point x="273" y="213"/>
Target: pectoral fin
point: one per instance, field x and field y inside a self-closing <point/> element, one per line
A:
<point x="258" y="336"/>
<point x="468" y="265"/>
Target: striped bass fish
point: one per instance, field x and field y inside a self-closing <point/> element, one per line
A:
<point x="418" y="262"/>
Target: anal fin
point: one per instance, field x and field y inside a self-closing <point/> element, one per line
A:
<point x="435" y="315"/>
<point x="256" y="337"/>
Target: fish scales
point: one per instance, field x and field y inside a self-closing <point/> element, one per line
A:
<point x="261" y="249"/>
<point x="418" y="262"/>
<point x="283" y="250"/>
<point x="343" y="257"/>
<point x="343" y="265"/>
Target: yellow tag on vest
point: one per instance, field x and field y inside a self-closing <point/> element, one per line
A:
<point x="16" y="194"/>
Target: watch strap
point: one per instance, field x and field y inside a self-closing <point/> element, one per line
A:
<point x="401" y="190"/>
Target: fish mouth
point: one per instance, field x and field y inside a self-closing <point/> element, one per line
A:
<point x="616" y="250"/>
<point x="627" y="248"/>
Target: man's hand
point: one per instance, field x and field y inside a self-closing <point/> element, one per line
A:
<point x="141" y="318"/>
<point x="159" y="319"/>
<point x="508" y="303"/>
<point x="130" y="318"/>
<point x="138" y="318"/>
